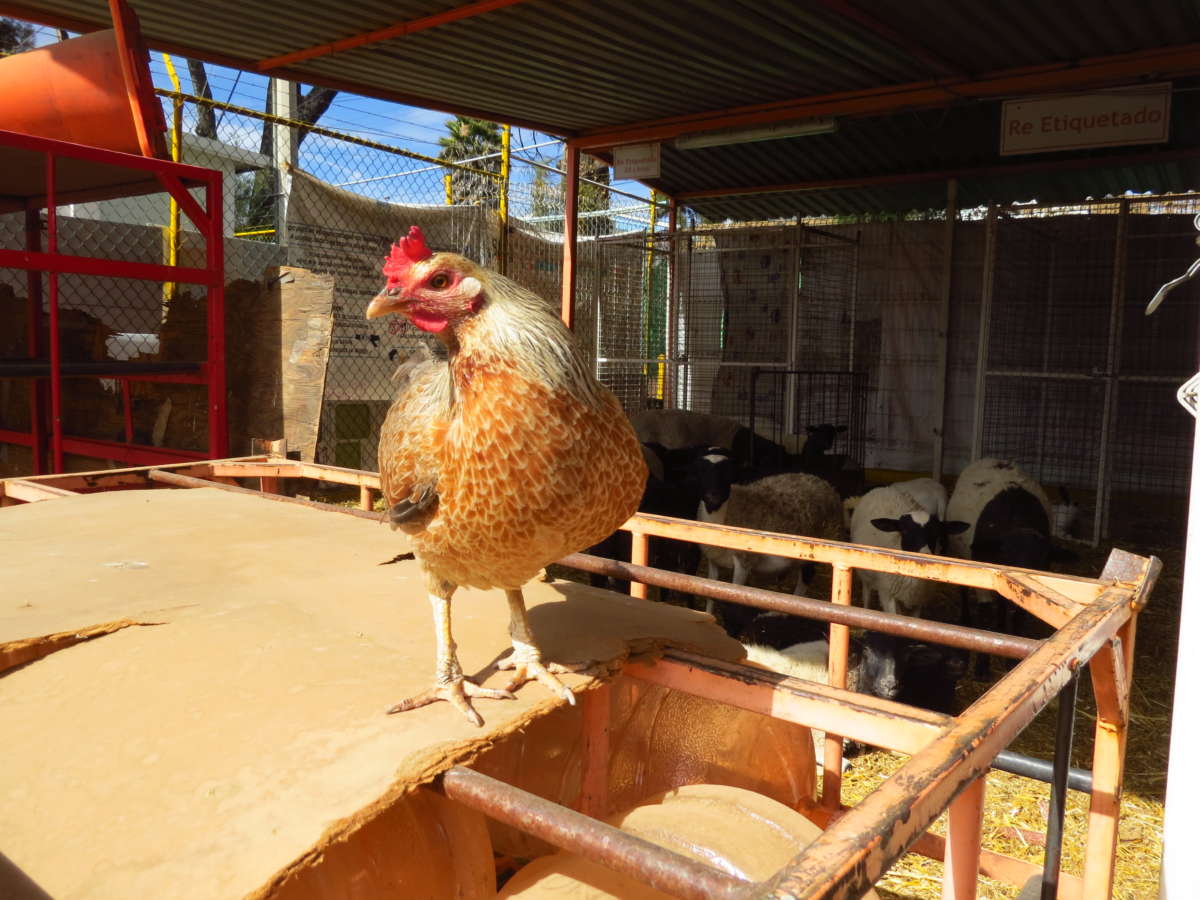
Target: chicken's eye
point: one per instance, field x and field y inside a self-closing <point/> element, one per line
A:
<point x="439" y="281"/>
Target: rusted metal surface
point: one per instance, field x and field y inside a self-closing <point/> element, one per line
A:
<point x="964" y="826"/>
<point x="807" y="549"/>
<point x="839" y="649"/>
<point x="853" y="616"/>
<point x="863" y="844"/>
<point x="881" y="723"/>
<point x="1110" y="686"/>
<point x="639" y="555"/>
<point x="1037" y="599"/>
<point x="187" y="481"/>
<point x="622" y="852"/>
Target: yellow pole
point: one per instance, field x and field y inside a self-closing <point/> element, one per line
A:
<point x="448" y="181"/>
<point x="170" y="287"/>
<point x="505" y="170"/>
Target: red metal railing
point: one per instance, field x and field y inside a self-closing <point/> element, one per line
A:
<point x="91" y="177"/>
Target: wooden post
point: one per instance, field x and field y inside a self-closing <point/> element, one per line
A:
<point x="962" y="843"/>
<point x="366" y="498"/>
<point x="570" y="232"/>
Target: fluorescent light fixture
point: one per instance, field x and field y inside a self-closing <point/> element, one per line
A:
<point x="749" y="135"/>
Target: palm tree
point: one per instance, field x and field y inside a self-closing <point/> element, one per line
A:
<point x="470" y="138"/>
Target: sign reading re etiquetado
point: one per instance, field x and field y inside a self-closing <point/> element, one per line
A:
<point x="1138" y="115"/>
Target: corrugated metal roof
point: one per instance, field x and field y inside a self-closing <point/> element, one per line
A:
<point x="570" y="66"/>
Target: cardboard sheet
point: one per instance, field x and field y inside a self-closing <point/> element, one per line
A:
<point x="233" y="722"/>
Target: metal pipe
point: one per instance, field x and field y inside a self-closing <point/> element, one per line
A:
<point x="56" y="429"/>
<point x="618" y="850"/>
<point x="985" y="326"/>
<point x="856" y="617"/>
<point x="187" y="481"/>
<point x="1058" y="788"/>
<point x="1041" y="770"/>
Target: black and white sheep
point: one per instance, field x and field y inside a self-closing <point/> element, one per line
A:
<point x="885" y="666"/>
<point x="1008" y="518"/>
<point x="891" y="518"/>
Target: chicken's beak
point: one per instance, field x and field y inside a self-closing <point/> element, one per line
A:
<point x="383" y="303"/>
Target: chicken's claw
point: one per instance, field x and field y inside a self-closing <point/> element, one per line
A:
<point x="457" y="692"/>
<point x="525" y="670"/>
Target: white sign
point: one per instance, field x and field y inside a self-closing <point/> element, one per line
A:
<point x="1138" y="115"/>
<point x="635" y="162"/>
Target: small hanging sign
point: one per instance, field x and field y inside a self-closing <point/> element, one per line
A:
<point x="1134" y="115"/>
<point x="635" y="162"/>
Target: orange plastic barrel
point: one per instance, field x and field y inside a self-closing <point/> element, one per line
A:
<point x="93" y="90"/>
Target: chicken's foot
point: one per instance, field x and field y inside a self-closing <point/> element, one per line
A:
<point x="526" y="659"/>
<point x="449" y="684"/>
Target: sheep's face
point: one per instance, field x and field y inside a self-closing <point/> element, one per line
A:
<point x="880" y="666"/>
<point x="920" y="531"/>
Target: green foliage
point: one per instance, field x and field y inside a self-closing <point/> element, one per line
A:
<point x="467" y="139"/>
<point x="15" y="37"/>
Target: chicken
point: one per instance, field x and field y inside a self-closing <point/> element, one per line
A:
<point x="500" y="460"/>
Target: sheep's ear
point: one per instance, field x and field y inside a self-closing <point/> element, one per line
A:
<point x="886" y="524"/>
<point x="841" y="428"/>
<point x="812" y="429"/>
<point x="955" y="527"/>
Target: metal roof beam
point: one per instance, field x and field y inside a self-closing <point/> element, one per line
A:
<point x="1104" y="71"/>
<point x="898" y="39"/>
<point x="384" y="34"/>
<point x="1048" y="165"/>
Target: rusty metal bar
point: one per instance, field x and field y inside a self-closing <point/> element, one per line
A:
<point x="189" y="482"/>
<point x="618" y="850"/>
<point x="853" y="616"/>
<point x="639" y="555"/>
<point x="809" y="549"/>
<point x="861" y="717"/>
<point x="839" y="651"/>
<point x="963" y="842"/>
<point x="853" y="853"/>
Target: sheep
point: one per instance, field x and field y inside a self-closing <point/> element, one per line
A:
<point x="681" y="428"/>
<point x="889" y="517"/>
<point x="894" y="668"/>
<point x="872" y="666"/>
<point x="1008" y="518"/>
<point x="930" y="493"/>
<point x="789" y="503"/>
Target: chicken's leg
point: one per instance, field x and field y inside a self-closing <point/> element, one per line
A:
<point x="526" y="659"/>
<point x="448" y="681"/>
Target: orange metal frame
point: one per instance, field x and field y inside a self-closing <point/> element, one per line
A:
<point x="1095" y="621"/>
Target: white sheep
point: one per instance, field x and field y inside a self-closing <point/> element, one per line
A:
<point x="929" y="493"/>
<point x="891" y="518"/>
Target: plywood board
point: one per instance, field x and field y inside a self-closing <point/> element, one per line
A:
<point x="240" y="728"/>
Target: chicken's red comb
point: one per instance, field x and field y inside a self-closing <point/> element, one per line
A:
<point x="405" y="252"/>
